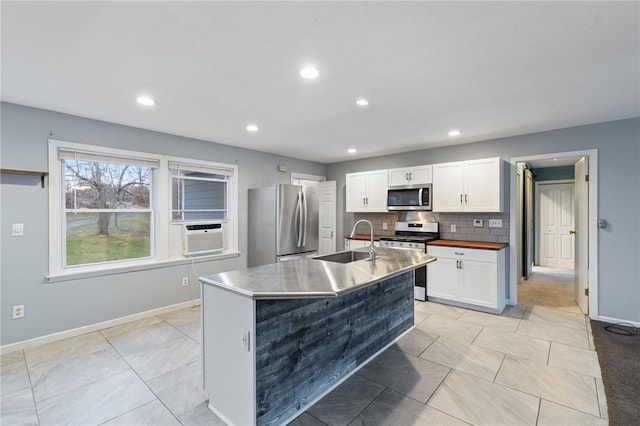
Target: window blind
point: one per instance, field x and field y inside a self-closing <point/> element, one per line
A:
<point x="202" y="169"/>
<point x="64" y="154"/>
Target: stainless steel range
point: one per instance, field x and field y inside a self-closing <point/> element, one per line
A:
<point x="414" y="235"/>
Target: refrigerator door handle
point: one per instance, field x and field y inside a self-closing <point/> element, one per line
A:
<point x="300" y="218"/>
<point x="306" y="219"/>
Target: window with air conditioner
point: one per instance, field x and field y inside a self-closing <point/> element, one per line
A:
<point x="113" y="208"/>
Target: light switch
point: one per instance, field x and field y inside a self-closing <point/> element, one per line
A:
<point x="17" y="229"/>
<point x="495" y="223"/>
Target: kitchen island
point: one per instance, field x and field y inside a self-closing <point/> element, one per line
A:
<point x="278" y="337"/>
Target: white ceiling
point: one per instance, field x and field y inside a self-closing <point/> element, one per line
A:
<point x="491" y="69"/>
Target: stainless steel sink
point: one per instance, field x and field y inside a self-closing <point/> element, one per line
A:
<point x="344" y="256"/>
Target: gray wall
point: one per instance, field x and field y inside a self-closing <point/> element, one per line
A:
<point x="59" y="306"/>
<point x="619" y="195"/>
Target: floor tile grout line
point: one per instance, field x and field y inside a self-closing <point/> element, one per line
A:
<point x="435" y="391"/>
<point x="384" y="388"/>
<point x="555" y="402"/>
<point x="595" y="382"/>
<point x="77" y="387"/>
<point x="144" y="382"/>
<point x="538" y="413"/>
<point x="500" y="367"/>
<point x="33" y="396"/>
<point x="570" y="408"/>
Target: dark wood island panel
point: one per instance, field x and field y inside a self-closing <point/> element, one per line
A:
<point x="305" y="346"/>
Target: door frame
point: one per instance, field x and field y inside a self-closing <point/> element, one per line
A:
<point x="303" y="176"/>
<point x="537" y="212"/>
<point x="514" y="248"/>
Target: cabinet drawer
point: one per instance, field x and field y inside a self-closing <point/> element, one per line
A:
<point x="463" y="253"/>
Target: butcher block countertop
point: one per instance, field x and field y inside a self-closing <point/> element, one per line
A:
<point x="468" y="244"/>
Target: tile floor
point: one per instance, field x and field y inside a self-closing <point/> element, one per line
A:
<point x="531" y="365"/>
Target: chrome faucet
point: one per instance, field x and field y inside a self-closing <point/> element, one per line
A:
<point x="372" y="253"/>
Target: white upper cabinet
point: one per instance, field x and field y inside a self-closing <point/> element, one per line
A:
<point x="418" y="175"/>
<point x="366" y="191"/>
<point x="468" y="186"/>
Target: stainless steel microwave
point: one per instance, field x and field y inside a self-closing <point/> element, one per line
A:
<point x="417" y="198"/>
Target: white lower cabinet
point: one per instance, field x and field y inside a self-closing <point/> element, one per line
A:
<point x="350" y="244"/>
<point x="471" y="278"/>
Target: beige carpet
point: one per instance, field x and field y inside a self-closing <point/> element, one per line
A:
<point x="549" y="287"/>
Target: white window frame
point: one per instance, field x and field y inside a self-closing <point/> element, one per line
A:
<point x="210" y="168"/>
<point x="161" y="220"/>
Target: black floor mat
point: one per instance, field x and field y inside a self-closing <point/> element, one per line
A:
<point x="619" y="355"/>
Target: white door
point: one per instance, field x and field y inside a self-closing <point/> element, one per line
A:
<point x="327" y="220"/>
<point x="528" y="223"/>
<point x="582" y="233"/>
<point x="556" y="223"/>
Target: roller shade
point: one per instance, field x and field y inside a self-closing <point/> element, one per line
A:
<point x="67" y="154"/>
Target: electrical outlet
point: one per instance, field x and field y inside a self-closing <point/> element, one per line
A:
<point x="478" y="223"/>
<point x="17" y="229"/>
<point x="18" y="311"/>
<point x="185" y="281"/>
<point x="453" y="227"/>
<point x="385" y="226"/>
<point x="495" y="223"/>
<point x="246" y="343"/>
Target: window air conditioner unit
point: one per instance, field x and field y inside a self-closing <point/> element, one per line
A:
<point x="201" y="239"/>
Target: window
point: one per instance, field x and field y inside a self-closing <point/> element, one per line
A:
<point x="198" y="193"/>
<point x="115" y="208"/>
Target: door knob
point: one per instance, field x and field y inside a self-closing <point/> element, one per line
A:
<point x="572" y="232"/>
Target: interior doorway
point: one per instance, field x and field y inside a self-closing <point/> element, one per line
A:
<point x="549" y="287"/>
<point x="554" y="221"/>
<point x="553" y="225"/>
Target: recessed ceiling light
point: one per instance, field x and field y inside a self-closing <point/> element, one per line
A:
<point x="362" y="102"/>
<point x="252" y="128"/>
<point x="351" y="150"/>
<point x="146" y="100"/>
<point x="455" y="132"/>
<point x="555" y="159"/>
<point x="309" y="72"/>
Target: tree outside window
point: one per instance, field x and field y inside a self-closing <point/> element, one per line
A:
<point x="108" y="211"/>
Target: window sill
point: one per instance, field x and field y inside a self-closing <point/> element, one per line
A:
<point x="76" y="275"/>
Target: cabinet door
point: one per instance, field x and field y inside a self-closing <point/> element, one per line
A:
<point x="398" y="177"/>
<point x="377" y="191"/>
<point x="479" y="283"/>
<point x="448" y="187"/>
<point x="421" y="175"/>
<point x="356" y="190"/>
<point x="443" y="279"/>
<point x="483" y="185"/>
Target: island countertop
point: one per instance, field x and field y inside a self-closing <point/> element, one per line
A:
<point x="314" y="278"/>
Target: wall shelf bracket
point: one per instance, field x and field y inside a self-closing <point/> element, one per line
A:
<point x="26" y="173"/>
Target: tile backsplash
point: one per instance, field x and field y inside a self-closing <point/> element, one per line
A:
<point x="463" y="222"/>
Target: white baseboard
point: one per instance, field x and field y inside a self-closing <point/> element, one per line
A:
<point x="616" y="320"/>
<point x="94" y="327"/>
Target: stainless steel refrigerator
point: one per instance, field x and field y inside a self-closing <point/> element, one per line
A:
<point x="283" y="223"/>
